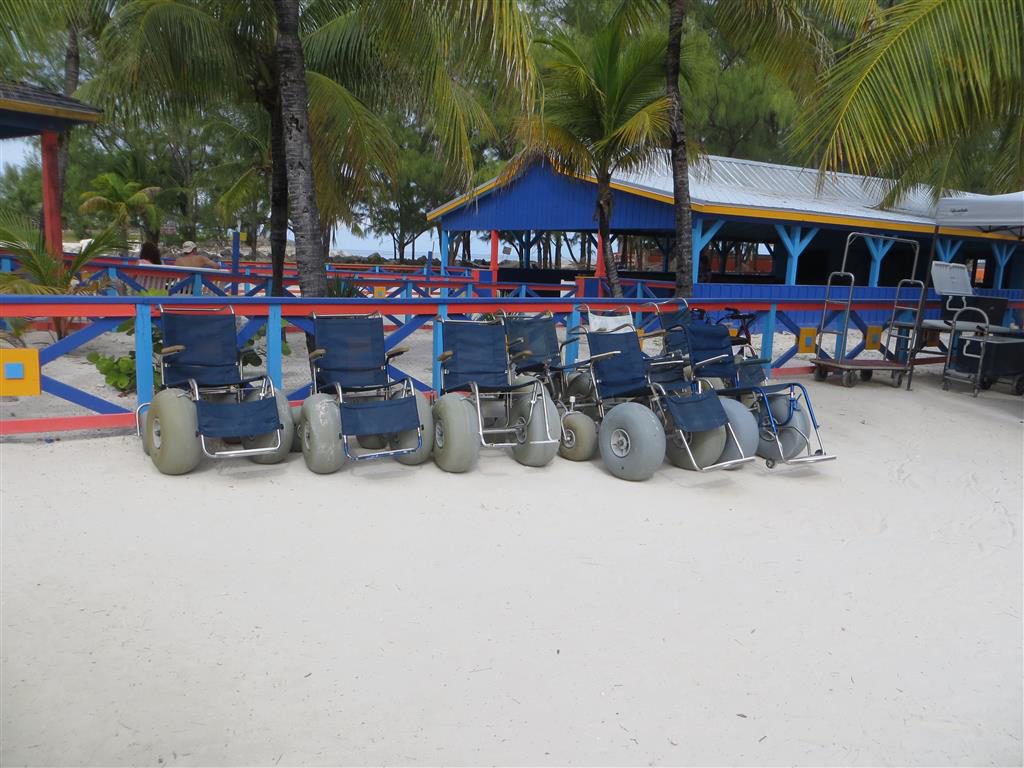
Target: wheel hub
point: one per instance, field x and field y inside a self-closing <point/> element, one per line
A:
<point x="156" y="436"/>
<point x="620" y="443"/>
<point x="439" y="434"/>
<point x="569" y="440"/>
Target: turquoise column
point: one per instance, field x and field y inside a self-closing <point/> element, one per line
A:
<point x="143" y="354"/>
<point x="274" y="364"/>
<point x="444" y="252"/>
<point x="796" y="240"/>
<point x="701" y="237"/>
<point x="947" y="248"/>
<point x="1002" y="252"/>
<point x="878" y="248"/>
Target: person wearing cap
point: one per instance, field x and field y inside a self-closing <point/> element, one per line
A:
<point x="190" y="257"/>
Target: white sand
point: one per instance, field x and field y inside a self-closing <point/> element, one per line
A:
<point x="865" y="612"/>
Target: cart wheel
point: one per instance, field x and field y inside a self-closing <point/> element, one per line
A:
<point x="897" y="380"/>
<point x="849" y="378"/>
<point x="1018" y="385"/>
<point x="173" y="432"/>
<point x="296" y="429"/>
<point x="706" y="446"/>
<point x="581" y="386"/>
<point x="770" y="463"/>
<point x="986" y="382"/>
<point x="866" y="375"/>
<point x="456" y="442"/>
<point x="284" y="415"/>
<point x="532" y="452"/>
<point x="744" y="424"/>
<point x="408" y="439"/>
<point x="632" y="441"/>
<point x="820" y="373"/>
<point x="321" y="435"/>
<point x="945" y="385"/>
<point x="579" y="441"/>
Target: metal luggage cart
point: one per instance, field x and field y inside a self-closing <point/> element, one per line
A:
<point x="900" y="340"/>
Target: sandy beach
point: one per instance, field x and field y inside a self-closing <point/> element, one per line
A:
<point x="862" y="612"/>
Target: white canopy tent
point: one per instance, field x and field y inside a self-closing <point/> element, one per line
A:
<point x="990" y="213"/>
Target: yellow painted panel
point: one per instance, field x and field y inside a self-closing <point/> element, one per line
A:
<point x="807" y="340"/>
<point x="380" y="291"/>
<point x="873" y="338"/>
<point x="19" y="373"/>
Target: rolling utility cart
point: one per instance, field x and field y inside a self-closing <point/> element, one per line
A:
<point x="979" y="352"/>
<point x="900" y="334"/>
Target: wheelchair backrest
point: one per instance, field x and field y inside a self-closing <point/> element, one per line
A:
<point x="674" y="324"/>
<point x="707" y="342"/>
<point x="536" y="334"/>
<point x="623" y="373"/>
<point x="479" y="354"/>
<point x="353" y="351"/>
<point x="617" y="323"/>
<point x="210" y="354"/>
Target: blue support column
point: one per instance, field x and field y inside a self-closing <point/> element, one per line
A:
<point x="438" y="330"/>
<point x="444" y="252"/>
<point x="197" y="284"/>
<point x="1002" y="252"/>
<point x="795" y="239"/>
<point x="878" y="249"/>
<point x="768" y="338"/>
<point x="274" y="362"/>
<point x="701" y="237"/>
<point x="947" y="248"/>
<point x="236" y="252"/>
<point x="143" y="354"/>
<point x="572" y="349"/>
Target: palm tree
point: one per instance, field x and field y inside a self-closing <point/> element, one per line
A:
<point x="125" y="201"/>
<point x="42" y="272"/>
<point x="604" y="111"/>
<point x="186" y="54"/>
<point x="920" y="90"/>
<point x="788" y="36"/>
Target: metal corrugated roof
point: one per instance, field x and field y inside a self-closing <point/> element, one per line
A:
<point x="731" y="181"/>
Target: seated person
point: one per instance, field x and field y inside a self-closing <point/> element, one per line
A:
<point x="190" y="257"/>
<point x="150" y="252"/>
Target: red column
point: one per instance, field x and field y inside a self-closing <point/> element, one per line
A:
<point x="51" y="195"/>
<point x="494" y="255"/>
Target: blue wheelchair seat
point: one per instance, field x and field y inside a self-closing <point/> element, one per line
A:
<point x="379" y="417"/>
<point x="238" y="419"/>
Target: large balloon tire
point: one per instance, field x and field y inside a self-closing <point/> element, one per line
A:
<point x="707" y="446"/>
<point x="174" y="436"/>
<point x="632" y="441"/>
<point x="284" y="415"/>
<point x="531" y="452"/>
<point x="372" y="442"/>
<point x="321" y="435"/>
<point x="581" y="386"/>
<point x="744" y="426"/>
<point x="145" y="430"/>
<point x="456" y="442"/>
<point x="579" y="442"/>
<point x="408" y="439"/>
<point x="794" y="431"/>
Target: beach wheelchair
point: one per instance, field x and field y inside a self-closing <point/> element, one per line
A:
<point x="783" y="411"/>
<point x="206" y="406"/>
<point x="483" y="403"/>
<point x="648" y="409"/>
<point x="355" y="397"/>
<point x="536" y="351"/>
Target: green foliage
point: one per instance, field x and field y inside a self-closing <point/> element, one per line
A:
<point x="118" y="372"/>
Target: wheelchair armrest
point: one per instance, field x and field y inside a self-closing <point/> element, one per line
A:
<point x="395" y="352"/>
<point x="520" y="355"/>
<point x="716" y="359"/>
<point x="316" y="354"/>
<point x="651" y="334"/>
<point x="172" y="350"/>
<point x="445" y="356"/>
<point x="663" y="361"/>
<point x="602" y="355"/>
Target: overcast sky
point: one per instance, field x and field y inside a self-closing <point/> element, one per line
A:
<point x="17" y="152"/>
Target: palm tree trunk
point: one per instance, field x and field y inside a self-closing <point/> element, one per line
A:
<point x="558" y="250"/>
<point x="278" y="199"/>
<point x="71" y="73"/>
<point x="683" y="248"/>
<point x="604" y="217"/>
<point x="305" y="215"/>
